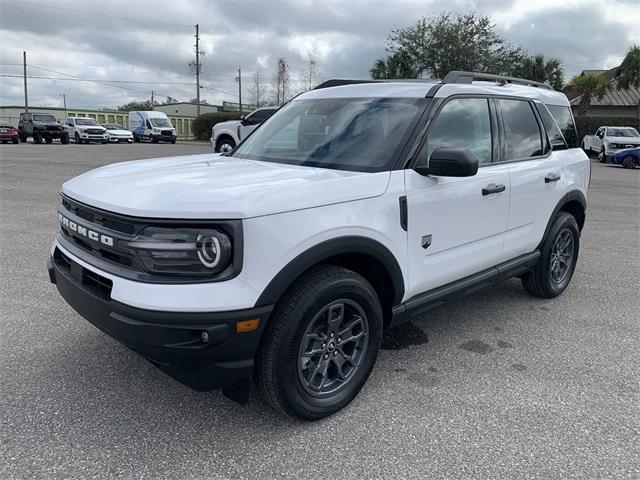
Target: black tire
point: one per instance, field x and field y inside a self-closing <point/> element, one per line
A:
<point x="78" y="139"/>
<point x="48" y="140"/>
<point x="173" y="140"/>
<point x="14" y="140"/>
<point x="104" y="142"/>
<point x="544" y="280"/>
<point x="225" y="145"/>
<point x="37" y="138"/>
<point x="629" y="161"/>
<point x="64" y="139"/>
<point x="154" y="140"/>
<point x="23" y="137"/>
<point x="602" y="156"/>
<point x="279" y="373"/>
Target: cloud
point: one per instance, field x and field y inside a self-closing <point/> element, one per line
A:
<point x="144" y="42"/>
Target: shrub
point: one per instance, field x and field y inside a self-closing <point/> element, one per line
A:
<point x="589" y="125"/>
<point x="203" y="124"/>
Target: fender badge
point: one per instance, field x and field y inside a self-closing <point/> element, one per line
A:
<point x="426" y="241"/>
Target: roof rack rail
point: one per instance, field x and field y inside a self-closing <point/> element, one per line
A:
<point x="338" y="82"/>
<point x="469" y="77"/>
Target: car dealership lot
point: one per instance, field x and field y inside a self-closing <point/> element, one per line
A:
<point x="497" y="385"/>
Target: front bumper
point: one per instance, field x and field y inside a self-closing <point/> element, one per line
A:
<point x="163" y="138"/>
<point x="201" y="350"/>
<point x="121" y="139"/>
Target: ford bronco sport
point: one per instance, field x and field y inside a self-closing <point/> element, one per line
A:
<point x="357" y="206"/>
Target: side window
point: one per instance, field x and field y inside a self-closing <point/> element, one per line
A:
<point x="23" y="117"/>
<point x="523" y="138"/>
<point x="564" y="118"/>
<point x="553" y="131"/>
<point x="462" y="123"/>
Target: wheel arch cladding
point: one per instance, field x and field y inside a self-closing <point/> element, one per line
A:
<point x="573" y="203"/>
<point x="224" y="136"/>
<point x="362" y="255"/>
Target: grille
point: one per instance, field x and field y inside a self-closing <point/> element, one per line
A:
<point x="96" y="284"/>
<point x="94" y="131"/>
<point x="166" y="132"/>
<point x="53" y="128"/>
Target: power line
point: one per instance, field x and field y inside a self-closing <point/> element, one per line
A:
<point x="95" y="80"/>
<point x="94" y="14"/>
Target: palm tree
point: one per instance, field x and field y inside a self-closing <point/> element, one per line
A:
<point x="628" y="74"/>
<point x="589" y="86"/>
<point x="537" y="69"/>
<point x="394" y="66"/>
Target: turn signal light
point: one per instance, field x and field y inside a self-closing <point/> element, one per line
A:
<point x="247" y="325"/>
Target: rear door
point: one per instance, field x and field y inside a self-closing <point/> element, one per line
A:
<point x="456" y="225"/>
<point x="536" y="174"/>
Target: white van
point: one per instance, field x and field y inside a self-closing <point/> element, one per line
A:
<point x="152" y="126"/>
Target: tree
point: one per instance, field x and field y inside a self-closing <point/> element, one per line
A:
<point x="258" y="89"/>
<point x="310" y="75"/>
<point x="280" y="81"/>
<point x="588" y="86"/>
<point x="170" y="99"/>
<point x="397" y="65"/>
<point x="537" y="69"/>
<point x="437" y="45"/>
<point x="195" y="100"/>
<point x="141" y="105"/>
<point x="628" y="74"/>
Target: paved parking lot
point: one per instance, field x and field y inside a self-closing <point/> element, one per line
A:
<point x="499" y="385"/>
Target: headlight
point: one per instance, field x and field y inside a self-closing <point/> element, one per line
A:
<point x="614" y="145"/>
<point x="182" y="251"/>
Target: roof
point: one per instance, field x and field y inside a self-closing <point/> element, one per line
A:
<point x="629" y="97"/>
<point x="420" y="89"/>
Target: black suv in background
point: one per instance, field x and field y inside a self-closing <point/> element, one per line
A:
<point x="41" y="126"/>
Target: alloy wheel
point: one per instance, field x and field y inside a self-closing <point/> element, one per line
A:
<point x="333" y="347"/>
<point x="562" y="255"/>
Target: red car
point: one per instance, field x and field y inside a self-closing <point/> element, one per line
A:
<point x="8" y="132"/>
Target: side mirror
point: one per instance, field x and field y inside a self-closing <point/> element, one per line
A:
<point x="450" y="162"/>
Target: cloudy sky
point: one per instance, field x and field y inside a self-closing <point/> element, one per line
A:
<point x="150" y="43"/>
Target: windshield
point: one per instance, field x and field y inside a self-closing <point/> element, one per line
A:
<point x="44" y="118"/>
<point x="86" y="121"/>
<point x="359" y="134"/>
<point x="160" y="122"/>
<point x="110" y="126"/>
<point x="622" y="132"/>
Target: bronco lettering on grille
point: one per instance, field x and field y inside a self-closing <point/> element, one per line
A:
<point x="83" y="231"/>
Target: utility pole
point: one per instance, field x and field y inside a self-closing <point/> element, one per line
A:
<point x="239" y="89"/>
<point x="151" y="99"/>
<point x="24" y="65"/>
<point x="64" y="101"/>
<point x="198" y="70"/>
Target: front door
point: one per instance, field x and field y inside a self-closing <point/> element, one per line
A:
<point x="456" y="226"/>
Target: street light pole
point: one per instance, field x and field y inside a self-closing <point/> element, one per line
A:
<point x="24" y="65"/>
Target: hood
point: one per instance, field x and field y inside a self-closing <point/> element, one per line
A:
<point x="120" y="132"/>
<point x="217" y="187"/>
<point x="227" y="124"/>
<point x="84" y="127"/>
<point x="627" y="140"/>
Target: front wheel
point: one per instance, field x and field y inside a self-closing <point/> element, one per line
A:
<point x="78" y="140"/>
<point x="629" y="161"/>
<point x="602" y="156"/>
<point x="49" y="140"/>
<point x="64" y="139"/>
<point x="320" y="344"/>
<point x="225" y="146"/>
<point x="558" y="259"/>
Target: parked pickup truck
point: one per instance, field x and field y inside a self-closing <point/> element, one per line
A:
<point x="609" y="140"/>
<point x="226" y="135"/>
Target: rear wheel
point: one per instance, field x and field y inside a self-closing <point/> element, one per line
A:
<point x="629" y="162"/>
<point x="559" y="255"/>
<point x="320" y="344"/>
<point x="64" y="139"/>
<point x="37" y="138"/>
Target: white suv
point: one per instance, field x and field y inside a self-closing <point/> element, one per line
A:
<point x="226" y="135"/>
<point x="357" y="206"/>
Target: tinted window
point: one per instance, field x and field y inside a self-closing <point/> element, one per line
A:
<point x="522" y="133"/>
<point x="462" y="123"/>
<point x="361" y="134"/>
<point x="553" y="131"/>
<point x="565" y="121"/>
<point x="622" y="132"/>
<point x="260" y="116"/>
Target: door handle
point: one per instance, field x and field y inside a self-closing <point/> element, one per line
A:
<point x="493" y="188"/>
<point x="552" y="177"/>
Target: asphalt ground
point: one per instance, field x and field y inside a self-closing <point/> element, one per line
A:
<point x="498" y="385"/>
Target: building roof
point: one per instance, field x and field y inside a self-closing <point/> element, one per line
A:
<point x="629" y="97"/>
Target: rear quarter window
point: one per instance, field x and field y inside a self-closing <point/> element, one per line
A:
<point x="564" y="118"/>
